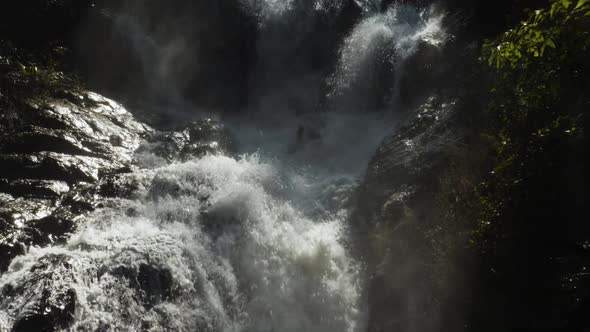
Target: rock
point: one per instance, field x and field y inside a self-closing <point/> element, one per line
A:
<point x="152" y="284"/>
<point x="55" y="154"/>
<point x="56" y="166"/>
<point x="192" y="141"/>
<point x="43" y="300"/>
<point x="392" y="214"/>
<point x="118" y="185"/>
<point x="405" y="162"/>
<point x="205" y="136"/>
<point x="34" y="188"/>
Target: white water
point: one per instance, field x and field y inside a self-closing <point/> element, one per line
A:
<point x="238" y="243"/>
<point x="391" y="36"/>
<point x="240" y="256"/>
<point x="275" y="9"/>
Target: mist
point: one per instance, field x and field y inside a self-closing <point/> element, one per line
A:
<point x="329" y="70"/>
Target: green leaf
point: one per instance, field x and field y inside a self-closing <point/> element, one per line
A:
<point x="582" y="3"/>
<point x="554" y="9"/>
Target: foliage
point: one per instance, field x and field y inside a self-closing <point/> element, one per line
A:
<point x="540" y="98"/>
<point x="520" y="46"/>
<point x="27" y="73"/>
<point x="532" y="204"/>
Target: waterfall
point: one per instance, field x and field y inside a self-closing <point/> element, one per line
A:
<point x="374" y="53"/>
<point x="252" y="241"/>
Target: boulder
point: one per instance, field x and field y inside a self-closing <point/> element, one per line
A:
<point x="194" y="140"/>
<point x="203" y="137"/>
<point x="55" y="154"/>
<point x="44" y="299"/>
<point x="393" y="212"/>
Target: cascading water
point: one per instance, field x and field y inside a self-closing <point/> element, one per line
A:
<point x="227" y="252"/>
<point x="378" y="47"/>
<point x="236" y="243"/>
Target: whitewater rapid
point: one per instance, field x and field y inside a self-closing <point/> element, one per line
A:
<point x="235" y="252"/>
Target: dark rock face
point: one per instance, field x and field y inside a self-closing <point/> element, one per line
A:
<point x="394" y="210"/>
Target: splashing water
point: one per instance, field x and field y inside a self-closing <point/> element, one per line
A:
<point x="228" y="254"/>
<point x="269" y="8"/>
<point x="277" y="9"/>
<point x="391" y="36"/>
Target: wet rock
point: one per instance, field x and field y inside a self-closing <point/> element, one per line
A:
<point x="54" y="155"/>
<point x="34" y="188"/>
<point x="203" y="137"/>
<point x="160" y="148"/>
<point x="9" y="247"/>
<point x="156" y="284"/>
<point x="35" y="139"/>
<point x="152" y="283"/>
<point x="55" y="166"/>
<point x="424" y="71"/>
<point x="49" y="230"/>
<point x="193" y="141"/>
<point x="26" y="221"/>
<point x="392" y="214"/>
<point x="57" y="139"/>
<point x="43" y="300"/>
<point x="119" y="185"/>
<point x="409" y="158"/>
